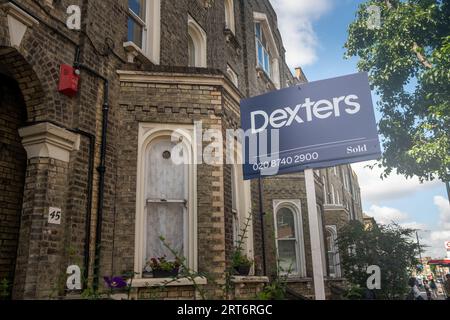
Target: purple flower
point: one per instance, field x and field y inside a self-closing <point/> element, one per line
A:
<point x="115" y="282"/>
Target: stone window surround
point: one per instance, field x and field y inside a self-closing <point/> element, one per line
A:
<point x="46" y="140"/>
<point x="230" y="23"/>
<point x="244" y="203"/>
<point x="333" y="230"/>
<point x="233" y="76"/>
<point x="147" y="133"/>
<point x="296" y="207"/>
<point x="199" y="38"/>
<point x="275" y="77"/>
<point x="152" y="36"/>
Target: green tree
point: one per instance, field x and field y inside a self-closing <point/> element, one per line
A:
<point x="408" y="60"/>
<point x="390" y="247"/>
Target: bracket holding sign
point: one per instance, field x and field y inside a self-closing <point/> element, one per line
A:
<point x="54" y="215"/>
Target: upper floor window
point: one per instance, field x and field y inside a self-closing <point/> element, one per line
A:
<point x="144" y="28"/>
<point x="229" y="15"/>
<point x="264" y="57"/>
<point x="266" y="48"/>
<point x="196" y="44"/>
<point x="137" y="25"/>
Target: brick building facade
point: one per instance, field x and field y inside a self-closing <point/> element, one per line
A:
<point x="101" y="156"/>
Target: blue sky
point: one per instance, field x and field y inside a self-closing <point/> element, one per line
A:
<point x="314" y="33"/>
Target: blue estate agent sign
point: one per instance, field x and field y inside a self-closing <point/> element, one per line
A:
<point x="314" y="125"/>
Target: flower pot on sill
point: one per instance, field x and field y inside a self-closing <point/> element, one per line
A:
<point x="165" y="274"/>
<point x="242" y="270"/>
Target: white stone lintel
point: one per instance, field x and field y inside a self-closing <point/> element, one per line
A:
<point x="46" y="140"/>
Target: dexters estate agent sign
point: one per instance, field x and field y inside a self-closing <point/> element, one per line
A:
<point x="314" y="125"/>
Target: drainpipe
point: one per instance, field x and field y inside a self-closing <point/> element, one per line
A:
<point x="101" y="169"/>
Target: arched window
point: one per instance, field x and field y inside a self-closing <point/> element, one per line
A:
<point x="289" y="237"/>
<point x="166" y="194"/>
<point x="191" y="49"/>
<point x="196" y="44"/>
<point x="333" y="253"/>
<point x="229" y="15"/>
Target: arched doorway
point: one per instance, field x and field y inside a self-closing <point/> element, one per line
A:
<point x="13" y="162"/>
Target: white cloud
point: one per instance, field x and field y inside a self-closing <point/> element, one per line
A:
<point x="386" y="215"/>
<point x="433" y="239"/>
<point x="295" y="21"/>
<point x="374" y="189"/>
<point x="444" y="211"/>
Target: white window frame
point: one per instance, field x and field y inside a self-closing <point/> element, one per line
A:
<point x="200" y="40"/>
<point x="233" y="76"/>
<point x="333" y="195"/>
<point x="151" y="37"/>
<point x="337" y="267"/>
<point x="296" y="207"/>
<point x="338" y="197"/>
<point x="148" y="132"/>
<point x="230" y="23"/>
<point x="325" y="190"/>
<point x="274" y="73"/>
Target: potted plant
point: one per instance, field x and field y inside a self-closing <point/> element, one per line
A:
<point x="241" y="263"/>
<point x="162" y="268"/>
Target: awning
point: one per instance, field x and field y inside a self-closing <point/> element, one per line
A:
<point x="442" y="262"/>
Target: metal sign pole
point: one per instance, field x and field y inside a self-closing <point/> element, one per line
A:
<point x="314" y="231"/>
<point x="261" y="216"/>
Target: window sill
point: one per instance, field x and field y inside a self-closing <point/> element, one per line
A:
<point x="249" y="279"/>
<point x="169" y="282"/>
<point x="298" y="279"/>
<point x="260" y="73"/>
<point x="135" y="53"/>
<point x="232" y="39"/>
<point x="334" y="207"/>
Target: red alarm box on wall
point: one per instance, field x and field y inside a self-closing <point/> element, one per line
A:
<point x="68" y="80"/>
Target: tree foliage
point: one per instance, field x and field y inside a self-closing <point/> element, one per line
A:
<point x="390" y="247"/>
<point x="408" y="60"/>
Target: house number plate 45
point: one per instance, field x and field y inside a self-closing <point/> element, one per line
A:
<point x="54" y="216"/>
